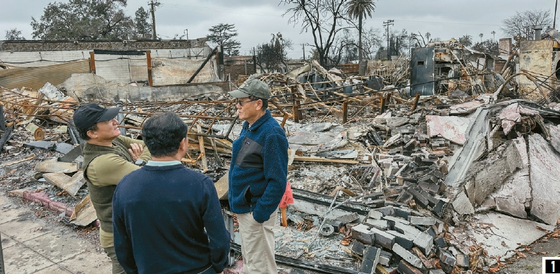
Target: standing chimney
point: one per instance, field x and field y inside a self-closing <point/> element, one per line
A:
<point x="538" y="32"/>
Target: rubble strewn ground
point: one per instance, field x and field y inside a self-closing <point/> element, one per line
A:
<point x="457" y="181"/>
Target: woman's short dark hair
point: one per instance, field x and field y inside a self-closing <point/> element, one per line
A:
<point x="83" y="134"/>
<point x="163" y="133"/>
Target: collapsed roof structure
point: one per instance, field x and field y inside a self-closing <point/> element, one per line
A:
<point x="427" y="165"/>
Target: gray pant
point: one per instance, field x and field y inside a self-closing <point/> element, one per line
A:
<point x="117" y="268"/>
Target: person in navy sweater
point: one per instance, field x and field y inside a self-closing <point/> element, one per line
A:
<point x="257" y="176"/>
<point x="167" y="218"/>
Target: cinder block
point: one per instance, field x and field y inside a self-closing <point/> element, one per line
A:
<point x="425" y="242"/>
<point x="375" y="203"/>
<point x="462" y="260"/>
<point x="407" y="256"/>
<point x="407" y="230"/>
<point x="385" y="258"/>
<point x="440" y="241"/>
<point x="380" y="224"/>
<point x="387" y="210"/>
<point x="393" y="220"/>
<point x="431" y="231"/>
<point x="432" y="188"/>
<point x="336" y="225"/>
<point x="383" y="238"/>
<point x="419" y="198"/>
<point x="425" y="221"/>
<point x="439" y="207"/>
<point x="447" y="258"/>
<point x="403" y="240"/>
<point x="363" y="233"/>
<point x="403" y="212"/>
<point x="357" y="248"/>
<point x="348" y="218"/>
<point x="404" y="197"/>
<point x="370" y="260"/>
<point x="406" y="268"/>
<point x="375" y="214"/>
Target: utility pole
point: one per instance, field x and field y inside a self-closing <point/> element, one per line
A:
<point x="387" y="24"/>
<point x="153" y="5"/>
<point x="303" y="51"/>
<point x="555" y="9"/>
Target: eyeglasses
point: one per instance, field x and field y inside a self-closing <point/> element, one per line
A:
<point x="241" y="103"/>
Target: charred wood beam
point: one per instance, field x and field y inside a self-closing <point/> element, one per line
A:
<point x="415" y="104"/>
<point x="321" y="268"/>
<point x="326" y="200"/>
<point x="203" y="64"/>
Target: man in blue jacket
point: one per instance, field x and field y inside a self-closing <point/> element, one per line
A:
<point x="257" y="176"/>
<point x="167" y="218"/>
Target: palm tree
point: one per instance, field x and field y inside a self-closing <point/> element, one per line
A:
<point x="360" y="9"/>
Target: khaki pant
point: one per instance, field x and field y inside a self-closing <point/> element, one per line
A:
<point x="257" y="244"/>
<point x="117" y="268"/>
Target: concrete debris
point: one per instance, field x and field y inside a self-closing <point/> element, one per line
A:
<point x="438" y="175"/>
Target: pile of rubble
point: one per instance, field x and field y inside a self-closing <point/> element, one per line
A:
<point x="381" y="180"/>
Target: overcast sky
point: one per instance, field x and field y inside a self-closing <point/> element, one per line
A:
<point x="256" y="20"/>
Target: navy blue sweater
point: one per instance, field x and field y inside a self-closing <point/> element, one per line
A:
<point x="167" y="219"/>
<point x="258" y="170"/>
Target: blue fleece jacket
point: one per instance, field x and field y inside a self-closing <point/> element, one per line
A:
<point x="259" y="167"/>
<point x="168" y="219"/>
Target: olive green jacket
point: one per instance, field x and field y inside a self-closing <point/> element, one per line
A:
<point x="104" y="167"/>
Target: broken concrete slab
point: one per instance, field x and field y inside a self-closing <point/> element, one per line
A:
<point x="70" y="184"/>
<point x="545" y="181"/>
<point x="462" y="204"/>
<point x="555" y="137"/>
<point x="452" y="128"/>
<point x="515" y="194"/>
<point x="54" y="166"/>
<point x="503" y="236"/>
<point x="492" y="173"/>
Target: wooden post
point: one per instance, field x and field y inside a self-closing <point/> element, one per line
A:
<point x="149" y="61"/>
<point x="202" y="150"/>
<point x="92" y="62"/>
<point x="295" y="110"/>
<point x="415" y="104"/>
<point x="345" y="111"/>
<point x="382" y="105"/>
<point x="284" y="120"/>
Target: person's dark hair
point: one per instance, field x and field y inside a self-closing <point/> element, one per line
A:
<point x="264" y="101"/>
<point x="163" y="133"/>
<point x="83" y="134"/>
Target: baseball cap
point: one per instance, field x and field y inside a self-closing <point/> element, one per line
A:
<point x="253" y="87"/>
<point x="90" y="114"/>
